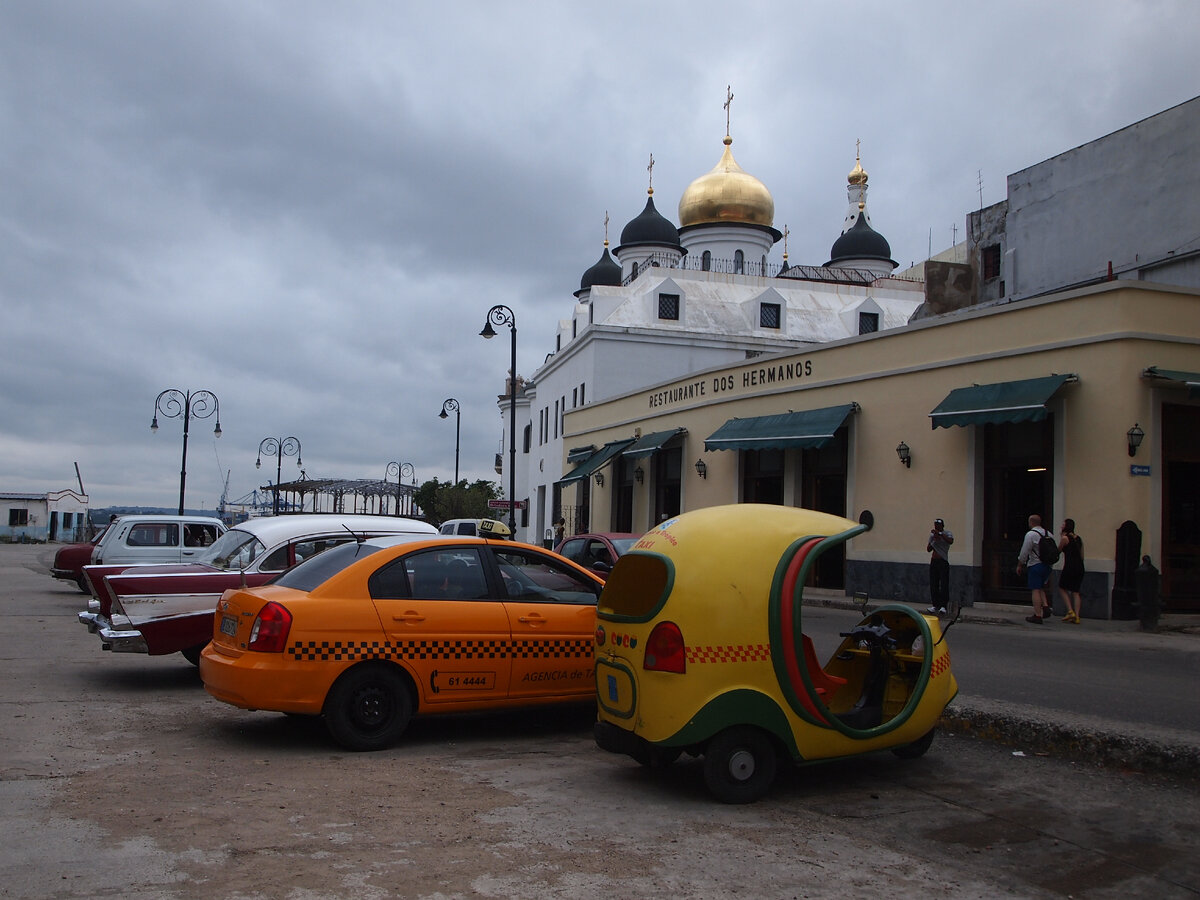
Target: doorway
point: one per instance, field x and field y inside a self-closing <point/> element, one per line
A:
<point x="823" y="488"/>
<point x="1018" y="474"/>
<point x="1181" y="509"/>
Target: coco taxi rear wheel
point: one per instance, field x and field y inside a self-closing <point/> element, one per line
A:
<point x="368" y="708"/>
<point x="740" y="765"/>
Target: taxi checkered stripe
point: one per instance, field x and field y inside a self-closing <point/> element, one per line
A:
<point x="940" y="665"/>
<point x="350" y="651"/>
<point x="729" y="654"/>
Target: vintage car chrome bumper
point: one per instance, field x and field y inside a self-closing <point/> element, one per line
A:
<point x="116" y="636"/>
<point x="122" y="641"/>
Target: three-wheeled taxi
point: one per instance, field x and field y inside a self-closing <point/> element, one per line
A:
<point x="700" y="648"/>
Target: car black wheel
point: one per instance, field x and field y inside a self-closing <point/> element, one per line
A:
<point x="192" y="654"/>
<point x="917" y="747"/>
<point x="740" y="765"/>
<point x="82" y="583"/>
<point x="368" y="708"/>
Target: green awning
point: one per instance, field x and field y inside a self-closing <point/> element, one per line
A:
<point x="649" y="444"/>
<point x="1190" y="379"/>
<point x="810" y="428"/>
<point x="1007" y="401"/>
<point x="576" y="454"/>
<point x="596" y="461"/>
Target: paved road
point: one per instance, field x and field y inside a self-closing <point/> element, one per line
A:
<point x="120" y="777"/>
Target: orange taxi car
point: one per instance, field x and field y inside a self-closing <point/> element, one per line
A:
<point x="371" y="633"/>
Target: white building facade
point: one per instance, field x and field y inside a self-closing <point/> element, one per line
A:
<point x="678" y="300"/>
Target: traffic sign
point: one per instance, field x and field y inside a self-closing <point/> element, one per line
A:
<point x="505" y="504"/>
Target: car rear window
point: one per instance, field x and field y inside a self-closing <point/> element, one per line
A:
<point x="316" y="570"/>
<point x="637" y="587"/>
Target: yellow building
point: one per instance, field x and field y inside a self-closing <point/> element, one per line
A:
<point x="1003" y="411"/>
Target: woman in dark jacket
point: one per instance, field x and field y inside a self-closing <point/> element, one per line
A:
<point x="1070" y="545"/>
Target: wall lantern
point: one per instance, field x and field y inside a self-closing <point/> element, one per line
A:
<point x="905" y="455"/>
<point x="638" y="474"/>
<point x="1135" y="435"/>
<point x="701" y="468"/>
<point x="600" y="479"/>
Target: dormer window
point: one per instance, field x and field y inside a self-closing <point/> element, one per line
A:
<point x="868" y="322"/>
<point x="768" y="315"/>
<point x="668" y="306"/>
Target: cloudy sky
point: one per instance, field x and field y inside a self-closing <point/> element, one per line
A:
<point x="308" y="208"/>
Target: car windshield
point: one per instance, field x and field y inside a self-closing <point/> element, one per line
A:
<point x="316" y="570"/>
<point x="233" y="550"/>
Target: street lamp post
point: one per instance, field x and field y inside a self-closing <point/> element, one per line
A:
<point x="176" y="404"/>
<point x="452" y="404"/>
<point x="281" y="447"/>
<point x="502" y="315"/>
<point x="400" y="470"/>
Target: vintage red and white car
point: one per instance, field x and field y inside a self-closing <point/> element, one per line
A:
<point x="169" y="608"/>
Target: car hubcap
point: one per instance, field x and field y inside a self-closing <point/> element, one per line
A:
<point x="741" y="765"/>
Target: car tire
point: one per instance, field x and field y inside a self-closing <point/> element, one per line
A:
<point x="192" y="654"/>
<point x="368" y="708"/>
<point x="740" y="764"/>
<point x="916" y="748"/>
<point x="82" y="583"/>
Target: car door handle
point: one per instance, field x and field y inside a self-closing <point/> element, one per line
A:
<point x="535" y="619"/>
<point x="409" y="617"/>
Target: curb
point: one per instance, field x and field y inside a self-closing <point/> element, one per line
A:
<point x="1080" y="742"/>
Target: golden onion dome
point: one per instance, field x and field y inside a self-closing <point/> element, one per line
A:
<point x="858" y="175"/>
<point x="727" y="194"/>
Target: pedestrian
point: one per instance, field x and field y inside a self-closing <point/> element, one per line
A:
<point x="1029" y="563"/>
<point x="938" y="548"/>
<point x="1070" y="580"/>
<point x="560" y="529"/>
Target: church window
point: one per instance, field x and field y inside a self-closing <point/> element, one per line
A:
<point x="768" y="315"/>
<point x="582" y="386"/>
<point x="739" y="262"/>
<point x="706" y="261"/>
<point x="762" y="266"/>
<point x="556" y="419"/>
<point x="528" y="436"/>
<point x="574" y="397"/>
<point x="668" y="306"/>
<point x="991" y="262"/>
<point x="868" y="323"/>
<point x="633" y="272"/>
<point x="574" y="327"/>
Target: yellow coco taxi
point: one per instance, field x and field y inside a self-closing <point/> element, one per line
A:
<point x="700" y="648"/>
<point x="371" y="633"/>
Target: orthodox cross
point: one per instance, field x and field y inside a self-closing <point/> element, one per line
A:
<point x="728" y="103"/>
<point x="650" y="169"/>
<point x="606" y="228"/>
<point x="786" y="232"/>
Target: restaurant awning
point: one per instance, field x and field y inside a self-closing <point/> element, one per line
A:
<point x="596" y="461"/>
<point x="577" y="454"/>
<point x="810" y="428"/>
<point x="649" y="444"/>
<point x="1190" y="379"/>
<point x="1007" y="401"/>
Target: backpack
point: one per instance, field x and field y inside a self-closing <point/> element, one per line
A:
<point x="1047" y="549"/>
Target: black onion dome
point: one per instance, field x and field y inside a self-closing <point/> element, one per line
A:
<point x="861" y="242"/>
<point x="605" y="271"/>
<point x="650" y="227"/>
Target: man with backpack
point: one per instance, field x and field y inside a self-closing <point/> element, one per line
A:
<point x="1038" y="553"/>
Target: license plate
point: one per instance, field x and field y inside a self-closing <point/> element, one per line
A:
<point x="229" y="625"/>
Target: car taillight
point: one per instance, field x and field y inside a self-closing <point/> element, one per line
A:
<point x="270" y="630"/>
<point x="601" y="636"/>
<point x="665" y="649"/>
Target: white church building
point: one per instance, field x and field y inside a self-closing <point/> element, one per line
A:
<point x="678" y="300"/>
